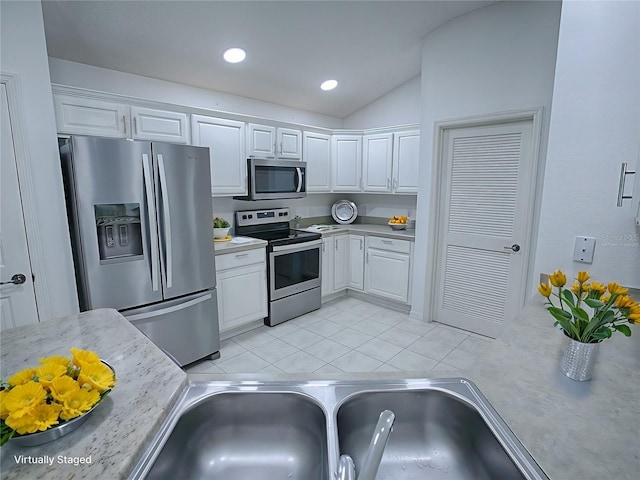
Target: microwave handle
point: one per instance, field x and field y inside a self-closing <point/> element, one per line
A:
<point x="299" y="171"/>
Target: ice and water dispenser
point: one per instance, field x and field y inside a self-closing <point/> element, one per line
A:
<point x="119" y="231"/>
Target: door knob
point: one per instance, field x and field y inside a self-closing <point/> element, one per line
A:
<point x="17" y="279"/>
<point x="515" y="247"/>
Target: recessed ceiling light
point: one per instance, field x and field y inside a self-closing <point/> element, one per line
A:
<point x="329" y="85"/>
<point x="234" y="55"/>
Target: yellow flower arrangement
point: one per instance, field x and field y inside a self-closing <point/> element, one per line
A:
<point x="610" y="307"/>
<point x="56" y="391"/>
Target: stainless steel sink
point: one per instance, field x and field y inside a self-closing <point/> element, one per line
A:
<point x="435" y="435"/>
<point x="241" y="435"/>
<point x="444" y="428"/>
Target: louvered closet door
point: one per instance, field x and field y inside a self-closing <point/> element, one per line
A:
<point x="487" y="188"/>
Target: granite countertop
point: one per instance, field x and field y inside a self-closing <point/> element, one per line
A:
<point x="119" y="430"/>
<point x="574" y="430"/>
<point x="371" y="229"/>
<point x="230" y="247"/>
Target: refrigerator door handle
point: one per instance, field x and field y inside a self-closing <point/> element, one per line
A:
<point x="151" y="220"/>
<point x="166" y="215"/>
<point x="173" y="308"/>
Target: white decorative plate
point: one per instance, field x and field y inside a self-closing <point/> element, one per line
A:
<point x="344" y="211"/>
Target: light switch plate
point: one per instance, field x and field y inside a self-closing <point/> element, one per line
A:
<point x="584" y="249"/>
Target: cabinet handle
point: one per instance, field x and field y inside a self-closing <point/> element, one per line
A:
<point x="336" y="244"/>
<point x="368" y="257"/>
<point x="360" y="244"/>
<point x="124" y="123"/>
<point x="388" y="183"/>
<point x="240" y="255"/>
<point x="135" y="125"/>
<point x="387" y="242"/>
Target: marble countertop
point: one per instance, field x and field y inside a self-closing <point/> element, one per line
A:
<point x="230" y="247"/>
<point x="371" y="229"/>
<point x="119" y="430"/>
<point x="574" y="430"/>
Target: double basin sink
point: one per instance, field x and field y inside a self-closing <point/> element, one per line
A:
<point x="444" y="429"/>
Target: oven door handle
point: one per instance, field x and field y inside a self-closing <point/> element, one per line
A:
<point x="299" y="172"/>
<point x="298" y="246"/>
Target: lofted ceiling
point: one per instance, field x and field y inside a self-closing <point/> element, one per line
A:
<point x="370" y="47"/>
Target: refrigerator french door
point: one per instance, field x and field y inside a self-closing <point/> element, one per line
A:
<point x="140" y="216"/>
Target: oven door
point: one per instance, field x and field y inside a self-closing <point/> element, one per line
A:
<point x="294" y="268"/>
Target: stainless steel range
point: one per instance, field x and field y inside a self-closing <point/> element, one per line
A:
<point x="294" y="262"/>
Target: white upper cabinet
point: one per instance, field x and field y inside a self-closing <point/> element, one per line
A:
<point x="317" y="154"/>
<point x="261" y="141"/>
<point x="86" y="116"/>
<point x="159" y="125"/>
<point x="346" y="163"/>
<point x="289" y="143"/>
<point x="406" y="161"/>
<point x="226" y="142"/>
<point x="376" y="163"/>
<point x="264" y="141"/>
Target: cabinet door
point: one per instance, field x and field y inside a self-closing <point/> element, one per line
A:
<point x="387" y="274"/>
<point x="261" y="141"/>
<point x="159" y="125"/>
<point x="317" y="154"/>
<point x="346" y="163"/>
<point x="226" y="142"/>
<point x="406" y="161"/>
<point x="326" y="286"/>
<point x="340" y="262"/>
<point x="289" y="143"/>
<point x="376" y="163"/>
<point x="356" y="262"/>
<point x="242" y="295"/>
<point x="85" y="116"/>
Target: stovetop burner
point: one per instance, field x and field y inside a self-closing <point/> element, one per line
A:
<point x="271" y="225"/>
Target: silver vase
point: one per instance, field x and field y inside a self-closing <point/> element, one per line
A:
<point x="579" y="359"/>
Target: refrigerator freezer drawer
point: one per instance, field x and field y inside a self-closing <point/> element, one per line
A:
<point x="186" y="329"/>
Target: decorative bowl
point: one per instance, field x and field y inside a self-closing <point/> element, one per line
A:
<point x="60" y="430"/>
<point x="221" y="232"/>
<point x="398" y="226"/>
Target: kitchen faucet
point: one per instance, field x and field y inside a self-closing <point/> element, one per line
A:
<point x="346" y="467"/>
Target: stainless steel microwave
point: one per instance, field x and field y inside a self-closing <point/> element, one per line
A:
<point x="270" y="179"/>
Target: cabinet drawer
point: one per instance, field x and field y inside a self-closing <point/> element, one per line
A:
<point x="239" y="259"/>
<point x="391" y="244"/>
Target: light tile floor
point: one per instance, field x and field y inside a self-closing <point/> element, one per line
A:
<point x="347" y="335"/>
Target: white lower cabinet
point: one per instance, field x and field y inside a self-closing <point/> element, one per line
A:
<point x="242" y="288"/>
<point x="335" y="262"/>
<point x="374" y="265"/>
<point x="356" y="262"/>
<point x="388" y="268"/>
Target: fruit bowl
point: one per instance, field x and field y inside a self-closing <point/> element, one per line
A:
<point x="398" y="226"/>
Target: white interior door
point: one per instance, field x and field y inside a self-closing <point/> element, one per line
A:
<point x="17" y="301"/>
<point x="487" y="185"/>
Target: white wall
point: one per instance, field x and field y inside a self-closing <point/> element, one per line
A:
<point x="24" y="53"/>
<point x="400" y="106"/>
<point x="495" y="59"/>
<point x="79" y="75"/>
<point x="595" y="125"/>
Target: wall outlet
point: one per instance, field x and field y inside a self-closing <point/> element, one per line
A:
<point x="544" y="278"/>
<point x="584" y="249"/>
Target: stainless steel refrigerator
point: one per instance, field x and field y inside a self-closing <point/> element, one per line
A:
<point x="140" y="216"/>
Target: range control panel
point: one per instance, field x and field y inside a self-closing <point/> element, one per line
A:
<point x="261" y="217"/>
